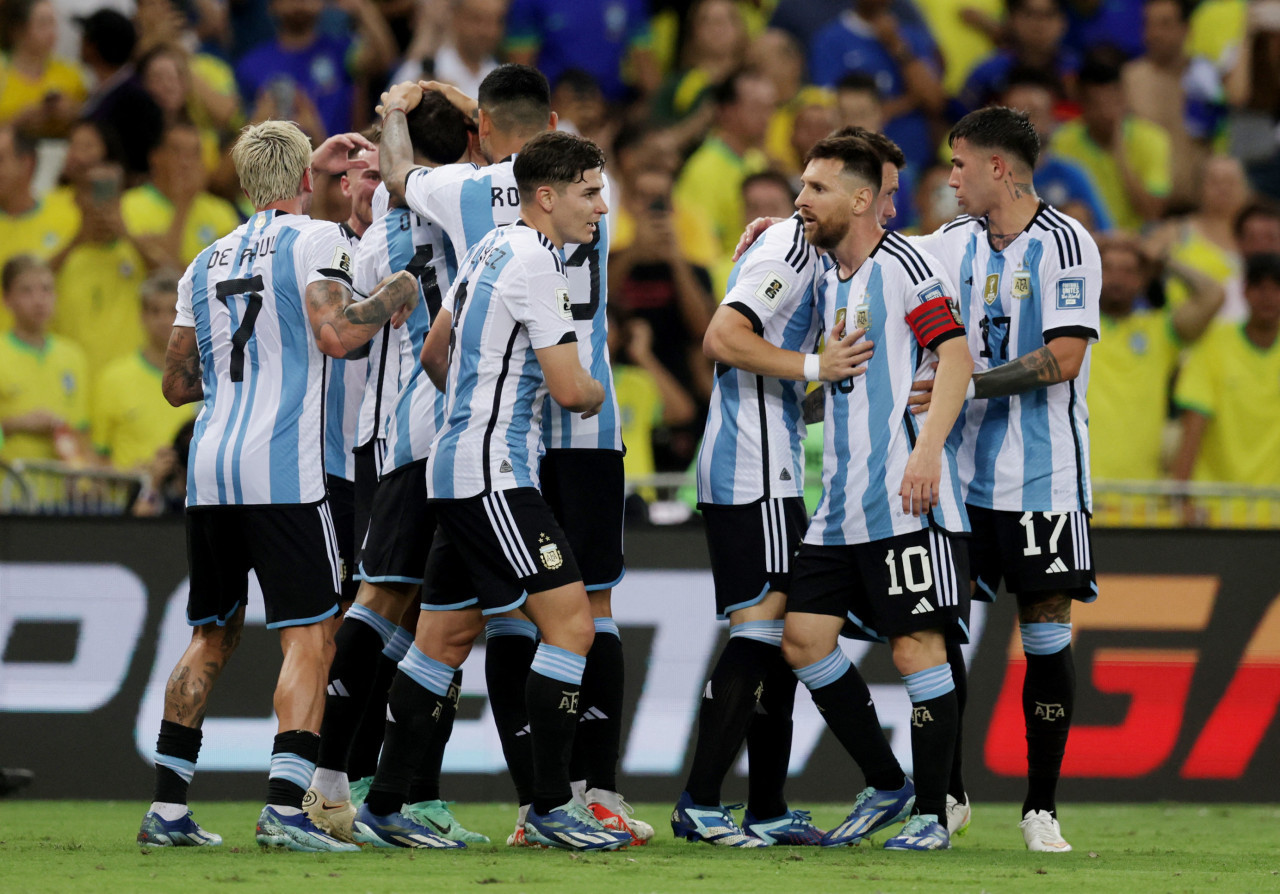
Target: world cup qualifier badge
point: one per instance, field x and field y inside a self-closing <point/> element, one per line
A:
<point x="549" y="553"/>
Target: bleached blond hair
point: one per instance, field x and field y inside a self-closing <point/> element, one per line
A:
<point x="270" y="158"/>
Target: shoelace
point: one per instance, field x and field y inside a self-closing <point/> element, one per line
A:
<point x="916" y="824"/>
<point x="801" y="818"/>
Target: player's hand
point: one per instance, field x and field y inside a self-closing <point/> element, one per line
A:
<point x="921" y="395"/>
<point x="599" y="401"/>
<point x="844" y="357"/>
<point x="453" y="94"/>
<point x="402" y="294"/>
<point x="404" y="96"/>
<point x="752" y="233"/>
<point x="330" y="157"/>
<point x="920" y="483"/>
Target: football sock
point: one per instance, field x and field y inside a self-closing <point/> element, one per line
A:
<point x="360" y="637"/>
<point x="1048" y="697"/>
<point x="509" y="649"/>
<point x="728" y="702"/>
<point x="845" y="703"/>
<point x="596" y="741"/>
<point x="177" y="750"/>
<point x="426" y="781"/>
<point x="553" y="691"/>
<point x="960" y="676"/>
<point x="933" y="736"/>
<point x="362" y="757"/>
<point x="415" y="703"/>
<point x="293" y="763"/>
<point x="769" y="741"/>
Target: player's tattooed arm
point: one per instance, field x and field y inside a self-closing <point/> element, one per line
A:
<point x="1058" y="361"/>
<point x="181" y="382"/>
<point x="342" y="326"/>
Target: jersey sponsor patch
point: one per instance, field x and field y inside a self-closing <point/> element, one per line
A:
<point x="1070" y="294"/>
<point x="563" y="304"/>
<point x="341" y="260"/>
<point x="772" y="290"/>
<point x="934" y="291"/>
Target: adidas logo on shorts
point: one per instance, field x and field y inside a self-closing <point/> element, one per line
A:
<point x="1057" y="567"/>
<point x="922" y="607"/>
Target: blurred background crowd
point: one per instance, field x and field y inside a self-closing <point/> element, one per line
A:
<point x="1159" y="122"/>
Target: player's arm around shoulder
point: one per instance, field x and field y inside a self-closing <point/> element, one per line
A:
<point x="921" y="480"/>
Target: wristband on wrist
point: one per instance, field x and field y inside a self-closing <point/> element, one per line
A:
<point x="969" y="390"/>
<point x="812" y="367"/>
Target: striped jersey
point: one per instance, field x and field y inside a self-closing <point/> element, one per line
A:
<point x="510" y="299"/>
<point x="343" y="393"/>
<point x="902" y="297"/>
<point x="1030" y="451"/>
<point x="467" y="202"/>
<point x="398" y="386"/>
<point x="259" y="438"/>
<point x="753" y="445"/>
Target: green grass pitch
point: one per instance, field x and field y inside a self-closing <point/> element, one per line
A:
<point x="72" y="846"/>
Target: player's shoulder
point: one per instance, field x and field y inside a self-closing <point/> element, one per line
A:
<point x="532" y="248"/>
<point x="905" y="260"/>
<point x="1072" y="245"/>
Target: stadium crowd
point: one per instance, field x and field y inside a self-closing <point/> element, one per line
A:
<point x="1158" y="119"/>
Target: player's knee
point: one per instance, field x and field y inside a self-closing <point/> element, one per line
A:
<point x="797" y="649"/>
<point x="918" y="651"/>
<point x="1054" y="608"/>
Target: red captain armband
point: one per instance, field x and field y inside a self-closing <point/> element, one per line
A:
<point x="935" y="321"/>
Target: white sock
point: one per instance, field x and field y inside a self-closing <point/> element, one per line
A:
<point x="579" y="789"/>
<point x="169" y="811"/>
<point x="331" y="784"/>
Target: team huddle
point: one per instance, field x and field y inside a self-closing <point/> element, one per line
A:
<point x="436" y="390"/>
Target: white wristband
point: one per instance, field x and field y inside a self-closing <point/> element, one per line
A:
<point x="812" y="367"/>
<point x="968" y="391"/>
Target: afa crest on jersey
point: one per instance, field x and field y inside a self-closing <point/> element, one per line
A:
<point x="862" y="314"/>
<point x="1021" y="284"/>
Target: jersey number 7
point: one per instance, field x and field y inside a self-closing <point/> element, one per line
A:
<point x="227" y="289"/>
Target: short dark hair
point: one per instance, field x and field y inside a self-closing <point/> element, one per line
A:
<point x="861" y="82"/>
<point x="1098" y="71"/>
<point x="887" y="149"/>
<point x="1252" y="210"/>
<point x="111" y="33"/>
<point x="16" y="266"/>
<point x="438" y="129"/>
<point x="1260" y="267"/>
<point x="727" y="92"/>
<point x="516" y="97"/>
<point x="110" y="138"/>
<point x="775" y="177"/>
<point x="556" y="159"/>
<point x="1000" y="128"/>
<point x="857" y="155"/>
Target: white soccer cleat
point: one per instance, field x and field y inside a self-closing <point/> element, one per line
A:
<point x="615" y="813"/>
<point x="1042" y="834"/>
<point x="332" y="817"/>
<point x="958" y="815"/>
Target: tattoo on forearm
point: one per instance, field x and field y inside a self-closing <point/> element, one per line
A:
<point x="1038" y="369"/>
<point x="182" y="368"/>
<point x="372" y="310"/>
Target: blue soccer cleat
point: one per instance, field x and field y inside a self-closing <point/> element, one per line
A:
<point x="296" y="832"/>
<point x="573" y="827"/>
<point x="795" y="827"/>
<point x="396" y="830"/>
<point x="713" y="825"/>
<point x="157" y="831"/>
<point x="922" y="832"/>
<point x="872" y="811"/>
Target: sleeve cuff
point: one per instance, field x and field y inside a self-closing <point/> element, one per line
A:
<point x="747" y="312"/>
<point x="1089" y="335"/>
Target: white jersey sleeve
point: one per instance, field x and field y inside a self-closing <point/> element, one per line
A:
<point x="327" y="255"/>
<point x="1071" y="292"/>
<point x="184" y="315"/>
<point x="541" y="301"/>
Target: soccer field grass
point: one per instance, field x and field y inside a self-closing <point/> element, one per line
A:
<point x="71" y="846"/>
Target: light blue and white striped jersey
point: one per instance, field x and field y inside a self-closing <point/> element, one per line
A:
<point x="344" y="390"/>
<point x="398" y="386"/>
<point x="1028" y="452"/>
<point x="897" y="295"/>
<point x="511" y="299"/>
<point x="259" y="439"/>
<point x="467" y="202"/>
<point x="753" y="445"/>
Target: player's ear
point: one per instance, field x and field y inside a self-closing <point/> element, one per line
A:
<point x="308" y="183"/>
<point x="546" y="198"/>
<point x="553" y="121"/>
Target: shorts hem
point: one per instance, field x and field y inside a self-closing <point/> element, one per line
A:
<point x="506" y="608"/>
<point x="302" y="622"/>
<point x="593" y="588"/>
<point x="214" y="619"/>
<point x="723" y="614"/>
<point x="452" y="606"/>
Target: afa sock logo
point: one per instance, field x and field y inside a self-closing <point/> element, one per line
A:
<point x="1049" y="711"/>
<point x="569" y="702"/>
<point x="920" y="716"/>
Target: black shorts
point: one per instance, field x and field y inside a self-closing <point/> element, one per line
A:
<point x="509" y="544"/>
<point x="366" y="487"/>
<point x="293" y="550"/>
<point x="752" y="549"/>
<point x="400" y="528"/>
<point x="586" y="491"/>
<point x="342" y="504"/>
<point x="890" y="587"/>
<point x="1034" y="552"/>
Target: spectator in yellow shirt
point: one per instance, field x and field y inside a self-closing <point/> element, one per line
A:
<point x="43" y="380"/>
<point x="1127" y="157"/>
<point x="131" y="418"/>
<point x="172" y="216"/>
<point x="39" y="92"/>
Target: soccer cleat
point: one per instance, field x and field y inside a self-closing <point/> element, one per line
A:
<point x="872" y="811"/>
<point x="296" y="832"/>
<point x="396" y="830"/>
<point x="332" y="817"/>
<point x="437" y="817"/>
<point x="615" y="813"/>
<point x="795" y="827"/>
<point x="518" y="838"/>
<point x="360" y="790"/>
<point x="958" y="815"/>
<point x="573" y="827"/>
<point x="714" y="825"/>
<point x="922" y="832"/>
<point x="157" y="831"/>
<point x="1042" y="834"/>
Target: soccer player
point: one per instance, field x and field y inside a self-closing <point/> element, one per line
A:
<point x="891" y="564"/>
<point x="506" y="339"/>
<point x="1030" y="280"/>
<point x="258" y="312"/>
<point x="751" y="493"/>
<point x="582" y="475"/>
<point x="399" y="416"/>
